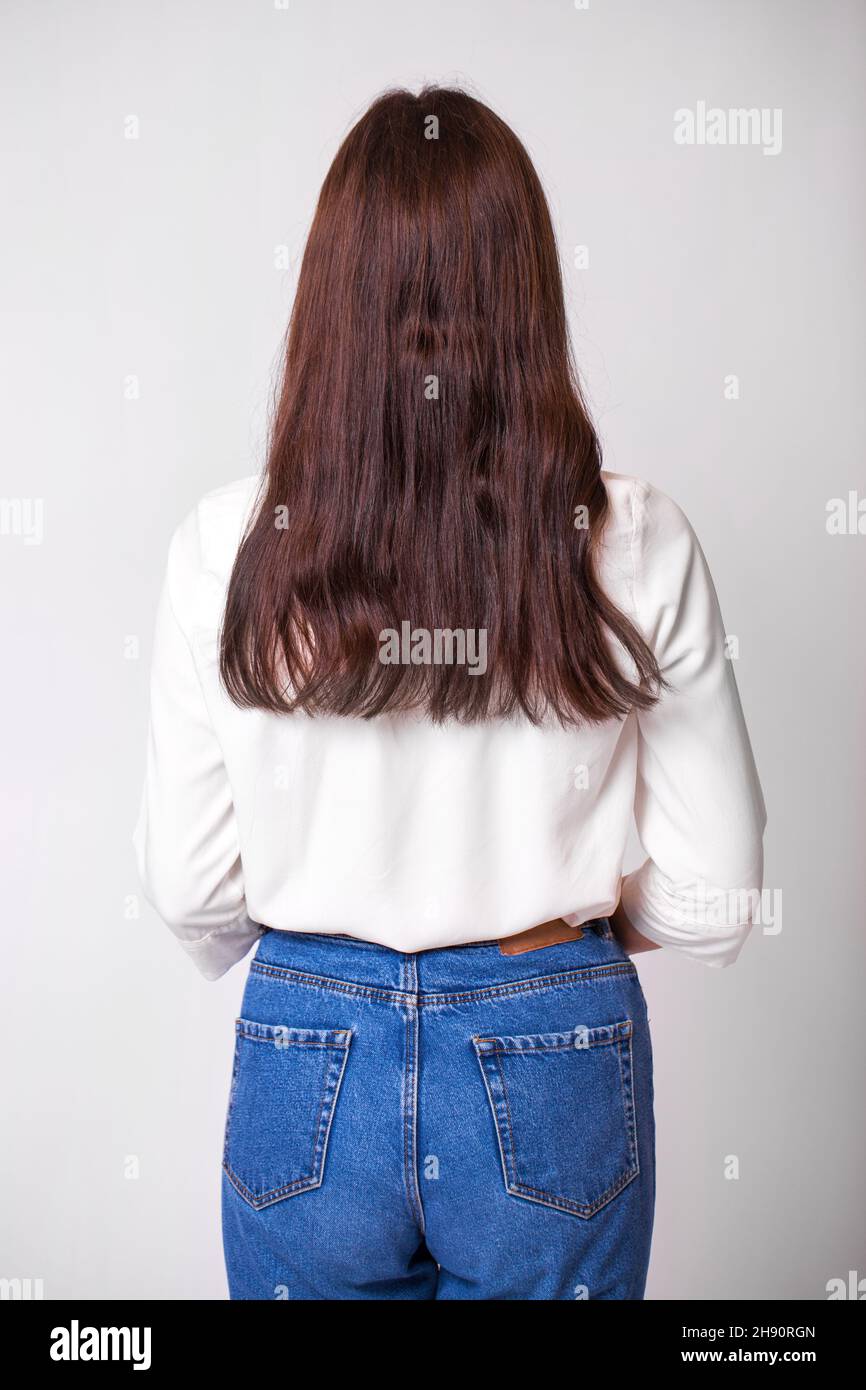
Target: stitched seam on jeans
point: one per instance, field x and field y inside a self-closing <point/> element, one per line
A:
<point x="317" y="1128"/>
<point x="325" y="982"/>
<point x="564" y="977"/>
<point x="497" y="1130"/>
<point x="258" y="1198"/>
<point x="587" y="975"/>
<point x="511" y="1144"/>
<point x="629" y="1105"/>
<point x="405" y="1108"/>
<point x="557" y="1047"/>
<point x="291" y="1042"/>
<point x="410" y="1114"/>
<point x="567" y="1204"/>
<point x="341" y="1071"/>
<point x="617" y="1031"/>
<point x="232" y="1092"/>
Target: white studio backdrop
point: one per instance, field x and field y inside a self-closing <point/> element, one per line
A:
<point x="160" y="165"/>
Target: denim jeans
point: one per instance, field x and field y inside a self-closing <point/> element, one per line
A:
<point x="454" y="1124"/>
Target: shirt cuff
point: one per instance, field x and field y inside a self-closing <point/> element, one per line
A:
<point x="222" y="948"/>
<point x="704" y="922"/>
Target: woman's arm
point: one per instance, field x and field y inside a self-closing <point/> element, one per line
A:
<point x="186" y="838"/>
<point x="699" y="810"/>
<point x="627" y="935"/>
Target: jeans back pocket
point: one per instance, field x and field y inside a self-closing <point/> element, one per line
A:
<point x="563" y="1106"/>
<point x="285" y="1084"/>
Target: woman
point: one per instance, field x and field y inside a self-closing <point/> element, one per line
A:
<point x="407" y="691"/>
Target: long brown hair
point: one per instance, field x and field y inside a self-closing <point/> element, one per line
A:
<point x="431" y="460"/>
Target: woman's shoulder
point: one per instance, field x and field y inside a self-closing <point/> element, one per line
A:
<point x="210" y="533"/>
<point x="636" y="504"/>
<point x="641" y="518"/>
<point x="649" y="548"/>
<point x="204" y="546"/>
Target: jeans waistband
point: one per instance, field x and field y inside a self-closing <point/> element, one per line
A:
<point x="600" y="925"/>
<point x="445" y="969"/>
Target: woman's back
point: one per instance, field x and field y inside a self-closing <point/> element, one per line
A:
<point x="418" y="834"/>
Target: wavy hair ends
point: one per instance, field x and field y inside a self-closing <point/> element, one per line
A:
<point x="430" y="450"/>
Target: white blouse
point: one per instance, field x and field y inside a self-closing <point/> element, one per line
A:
<point x="416" y="835"/>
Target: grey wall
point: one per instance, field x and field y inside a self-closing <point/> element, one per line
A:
<point x="154" y="258"/>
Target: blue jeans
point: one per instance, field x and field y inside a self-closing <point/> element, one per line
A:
<point x="455" y="1124"/>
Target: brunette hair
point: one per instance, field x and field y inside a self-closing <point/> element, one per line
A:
<point x="431" y="458"/>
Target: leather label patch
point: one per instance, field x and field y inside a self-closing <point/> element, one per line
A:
<point x="547" y="934"/>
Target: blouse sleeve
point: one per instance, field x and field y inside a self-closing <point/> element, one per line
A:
<point x="699" y="809"/>
<point x="186" y="838"/>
